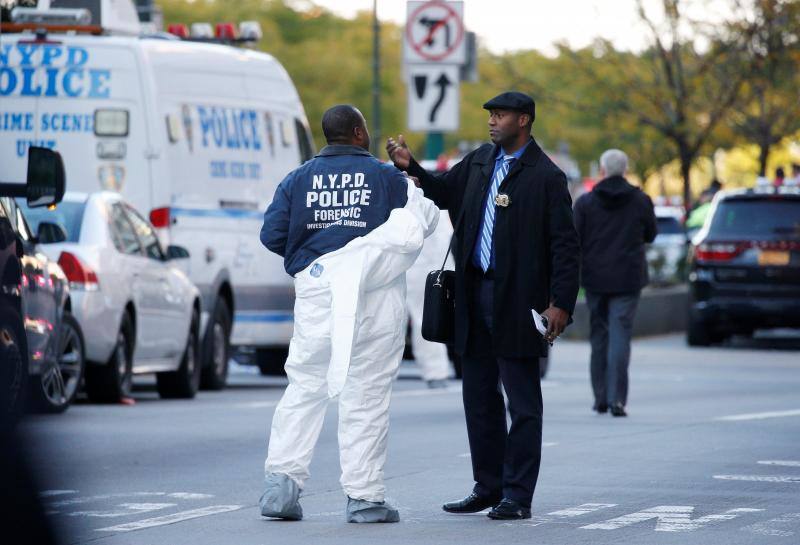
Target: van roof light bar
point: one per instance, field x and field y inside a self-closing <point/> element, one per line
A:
<point x="52" y="16"/>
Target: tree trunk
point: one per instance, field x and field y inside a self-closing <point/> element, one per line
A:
<point x="686" y="165"/>
<point x="763" y="156"/>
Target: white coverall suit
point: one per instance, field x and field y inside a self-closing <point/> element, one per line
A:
<point x="430" y="357"/>
<point x="348" y="340"/>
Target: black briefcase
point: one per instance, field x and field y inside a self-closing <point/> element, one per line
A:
<point x="439" y="310"/>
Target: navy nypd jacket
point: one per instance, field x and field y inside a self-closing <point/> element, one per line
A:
<point x="342" y="193"/>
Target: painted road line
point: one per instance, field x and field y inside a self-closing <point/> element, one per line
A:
<point x="51" y="493"/>
<point x="127" y="510"/>
<point x="126" y="495"/>
<point x="88" y="499"/>
<point x="778" y="527"/>
<point x="189" y="496"/>
<point x="172" y="519"/>
<point x="759" y="416"/>
<point x="582" y="509"/>
<point x="669" y="518"/>
<point x="783" y="463"/>
<point x="760" y="478"/>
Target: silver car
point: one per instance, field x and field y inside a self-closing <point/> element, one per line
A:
<point x="666" y="256"/>
<point x="139" y="312"/>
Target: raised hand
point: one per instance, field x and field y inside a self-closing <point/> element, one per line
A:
<point x="398" y="152"/>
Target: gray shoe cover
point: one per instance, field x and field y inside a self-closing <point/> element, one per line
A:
<point x="280" y="498"/>
<point x="370" y="511"/>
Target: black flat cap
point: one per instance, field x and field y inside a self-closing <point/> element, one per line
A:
<point x="513" y="100"/>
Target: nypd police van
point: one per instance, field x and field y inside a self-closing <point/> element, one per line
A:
<point x="194" y="132"/>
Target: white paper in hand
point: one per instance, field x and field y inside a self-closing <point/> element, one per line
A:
<point x="539" y="321"/>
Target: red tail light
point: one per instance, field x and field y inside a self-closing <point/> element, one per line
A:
<point x="720" y="251"/>
<point x="79" y="275"/>
<point x="225" y="31"/>
<point x="179" y="30"/>
<point x="159" y="217"/>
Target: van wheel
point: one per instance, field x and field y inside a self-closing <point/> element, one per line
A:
<point x="13" y="366"/>
<point x="113" y="381"/>
<point x="271" y="360"/>
<point x="59" y="383"/>
<point x="217" y="348"/>
<point x="183" y="383"/>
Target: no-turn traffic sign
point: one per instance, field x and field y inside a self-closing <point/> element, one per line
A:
<point x="435" y="32"/>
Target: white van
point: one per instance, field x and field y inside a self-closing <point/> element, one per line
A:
<point x="198" y="135"/>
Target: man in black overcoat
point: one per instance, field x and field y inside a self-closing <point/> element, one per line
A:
<point x="516" y="250"/>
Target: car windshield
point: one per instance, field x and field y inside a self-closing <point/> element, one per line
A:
<point x="669" y="226"/>
<point x="67" y="214"/>
<point x="760" y="218"/>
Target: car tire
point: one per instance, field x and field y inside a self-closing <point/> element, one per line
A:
<point x="698" y="333"/>
<point x="57" y="385"/>
<point x="112" y="382"/>
<point x="216" y="348"/>
<point x="14" y="370"/>
<point x="183" y="383"/>
<point x="271" y="361"/>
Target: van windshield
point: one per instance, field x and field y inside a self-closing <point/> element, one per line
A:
<point x="68" y="214"/>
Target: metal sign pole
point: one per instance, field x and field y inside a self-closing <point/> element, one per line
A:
<point x="376" y="81"/>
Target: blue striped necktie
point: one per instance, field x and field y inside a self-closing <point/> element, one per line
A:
<point x="488" y="215"/>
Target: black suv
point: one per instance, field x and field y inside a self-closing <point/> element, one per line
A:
<point x="745" y="265"/>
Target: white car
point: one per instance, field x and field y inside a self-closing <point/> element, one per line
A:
<point x="139" y="312"/>
<point x="666" y="255"/>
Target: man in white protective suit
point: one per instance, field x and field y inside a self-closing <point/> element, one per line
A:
<point x="348" y="228"/>
<point x="431" y="357"/>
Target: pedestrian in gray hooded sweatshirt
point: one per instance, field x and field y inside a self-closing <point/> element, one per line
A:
<point x="614" y="222"/>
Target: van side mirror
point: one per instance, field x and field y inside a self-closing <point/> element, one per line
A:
<point x="50" y="233"/>
<point x="45" y="181"/>
<point x="177" y="252"/>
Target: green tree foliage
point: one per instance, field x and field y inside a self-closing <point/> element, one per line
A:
<point x="674" y="101"/>
<point x="769" y="108"/>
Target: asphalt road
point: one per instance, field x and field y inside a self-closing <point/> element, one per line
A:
<point x="710" y="454"/>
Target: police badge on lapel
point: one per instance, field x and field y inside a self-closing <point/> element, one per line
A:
<point x="502" y="200"/>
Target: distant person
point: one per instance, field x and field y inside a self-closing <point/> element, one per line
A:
<point x="780" y="175"/>
<point x="708" y="194"/>
<point x="431" y="358"/>
<point x="614" y="222"/>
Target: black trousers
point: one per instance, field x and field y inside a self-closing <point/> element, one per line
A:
<point x="505" y="462"/>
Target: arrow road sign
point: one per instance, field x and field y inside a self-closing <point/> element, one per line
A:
<point x="433" y="97"/>
<point x="435" y="32"/>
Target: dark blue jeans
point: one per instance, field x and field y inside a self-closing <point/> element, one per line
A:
<point x="611" y="318"/>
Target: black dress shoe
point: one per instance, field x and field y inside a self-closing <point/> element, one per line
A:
<point x="471" y="504"/>
<point x="618" y="410"/>
<point x="600" y="408"/>
<point x="509" y="510"/>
